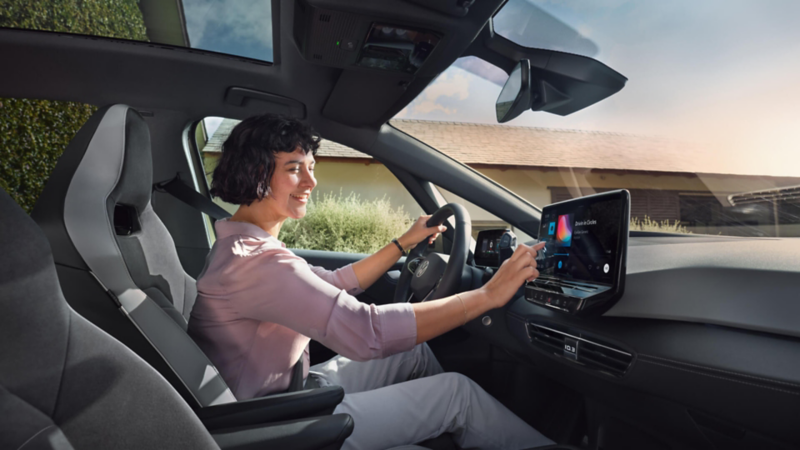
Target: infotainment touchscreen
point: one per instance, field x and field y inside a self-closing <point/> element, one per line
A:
<point x="582" y="266"/>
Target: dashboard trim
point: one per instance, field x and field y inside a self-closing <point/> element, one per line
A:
<point x="583" y="340"/>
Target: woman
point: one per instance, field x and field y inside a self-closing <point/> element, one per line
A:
<point x="259" y="305"/>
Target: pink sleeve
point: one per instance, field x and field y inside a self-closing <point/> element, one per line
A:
<point x="343" y="278"/>
<point x="279" y="287"/>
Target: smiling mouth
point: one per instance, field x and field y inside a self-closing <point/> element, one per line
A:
<point x="300" y="198"/>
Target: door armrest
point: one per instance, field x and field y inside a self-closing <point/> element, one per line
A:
<point x="292" y="405"/>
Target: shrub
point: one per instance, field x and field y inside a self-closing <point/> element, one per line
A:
<point x="648" y="224"/>
<point x="340" y="223"/>
<point x="34" y="133"/>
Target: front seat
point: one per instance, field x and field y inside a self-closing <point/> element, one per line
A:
<point x="113" y="254"/>
<point x="96" y="212"/>
<point x="65" y="384"/>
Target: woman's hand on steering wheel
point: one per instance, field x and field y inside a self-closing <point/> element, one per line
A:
<point x="512" y="273"/>
<point x="418" y="232"/>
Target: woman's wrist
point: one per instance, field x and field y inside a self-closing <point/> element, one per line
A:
<point x="404" y="242"/>
<point x="396" y="243"/>
<point x="487" y="297"/>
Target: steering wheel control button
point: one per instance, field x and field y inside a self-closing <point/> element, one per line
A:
<point x="486" y="321"/>
<point x="571" y="348"/>
<point x="422" y="268"/>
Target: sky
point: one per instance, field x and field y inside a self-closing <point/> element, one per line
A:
<point x="240" y="27"/>
<point x="721" y="74"/>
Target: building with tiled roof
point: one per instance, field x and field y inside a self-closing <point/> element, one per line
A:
<point x="668" y="180"/>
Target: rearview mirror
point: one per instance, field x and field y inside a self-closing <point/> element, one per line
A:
<point x="515" y="98"/>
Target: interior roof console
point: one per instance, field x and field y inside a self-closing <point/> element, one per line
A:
<point x="342" y="39"/>
<point x="582" y="267"/>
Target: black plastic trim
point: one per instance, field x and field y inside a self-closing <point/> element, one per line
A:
<point x="293" y="405"/>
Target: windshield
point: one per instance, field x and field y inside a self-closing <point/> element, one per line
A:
<point x="239" y="28"/>
<point x="704" y="135"/>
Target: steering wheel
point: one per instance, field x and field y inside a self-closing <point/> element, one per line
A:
<point x="436" y="275"/>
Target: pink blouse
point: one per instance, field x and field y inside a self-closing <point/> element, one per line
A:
<point x="259" y="304"/>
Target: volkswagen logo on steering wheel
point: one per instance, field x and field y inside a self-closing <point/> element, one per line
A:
<point x="422" y="268"/>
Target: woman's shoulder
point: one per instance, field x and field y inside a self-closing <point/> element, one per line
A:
<point x="250" y="246"/>
<point x="243" y="260"/>
<point x="249" y="250"/>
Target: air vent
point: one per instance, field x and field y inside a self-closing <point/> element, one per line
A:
<point x="324" y="17"/>
<point x="552" y="339"/>
<point x="586" y="351"/>
<point x="604" y="357"/>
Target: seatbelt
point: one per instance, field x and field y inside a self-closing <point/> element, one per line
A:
<point x="297" y="382"/>
<point x="178" y="189"/>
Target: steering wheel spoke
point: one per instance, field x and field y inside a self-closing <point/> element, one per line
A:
<point x="436" y="275"/>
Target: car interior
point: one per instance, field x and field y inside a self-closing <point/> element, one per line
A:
<point x="694" y="344"/>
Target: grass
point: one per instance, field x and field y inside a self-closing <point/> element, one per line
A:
<point x="664" y="226"/>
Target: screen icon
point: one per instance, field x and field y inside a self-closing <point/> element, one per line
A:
<point x="606" y="268"/>
<point x="564" y="232"/>
<point x="552" y="228"/>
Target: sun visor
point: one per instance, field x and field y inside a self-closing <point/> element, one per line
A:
<point x="361" y="98"/>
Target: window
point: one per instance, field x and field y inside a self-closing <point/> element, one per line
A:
<point x="358" y="206"/>
<point x="677" y="136"/>
<point x="240" y="28"/>
<point x="33" y="135"/>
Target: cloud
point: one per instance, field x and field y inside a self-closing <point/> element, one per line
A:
<point x="428" y="106"/>
<point x="449" y="85"/>
<point x="483" y="69"/>
<point x="240" y="27"/>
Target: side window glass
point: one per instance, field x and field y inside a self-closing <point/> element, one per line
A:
<point x="33" y="135"/>
<point x="358" y="206"/>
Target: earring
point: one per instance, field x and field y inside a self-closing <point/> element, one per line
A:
<point x="263" y="193"/>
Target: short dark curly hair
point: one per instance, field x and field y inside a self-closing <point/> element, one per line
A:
<point x="245" y="169"/>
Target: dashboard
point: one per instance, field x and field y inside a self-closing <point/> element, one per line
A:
<point x="705" y="341"/>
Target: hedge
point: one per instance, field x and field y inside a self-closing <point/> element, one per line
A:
<point x="648" y="224"/>
<point x="346" y="223"/>
<point x="34" y="133"/>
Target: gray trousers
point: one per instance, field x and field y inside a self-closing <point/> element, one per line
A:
<point x="406" y="398"/>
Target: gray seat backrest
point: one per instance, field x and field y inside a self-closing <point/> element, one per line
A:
<point x="96" y="210"/>
<point x="65" y="384"/>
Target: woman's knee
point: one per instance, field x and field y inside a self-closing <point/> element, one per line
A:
<point x="454" y="382"/>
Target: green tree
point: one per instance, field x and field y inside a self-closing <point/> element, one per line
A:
<point x="34" y="133"/>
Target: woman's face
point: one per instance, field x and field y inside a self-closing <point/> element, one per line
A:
<point x="292" y="183"/>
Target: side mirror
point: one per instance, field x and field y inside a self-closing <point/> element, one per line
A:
<point x="515" y="98"/>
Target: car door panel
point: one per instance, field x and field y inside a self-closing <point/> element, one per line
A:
<point x="380" y="293"/>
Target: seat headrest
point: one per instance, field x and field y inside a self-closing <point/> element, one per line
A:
<point x="107" y="163"/>
<point x="34" y="317"/>
<point x="135" y="183"/>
